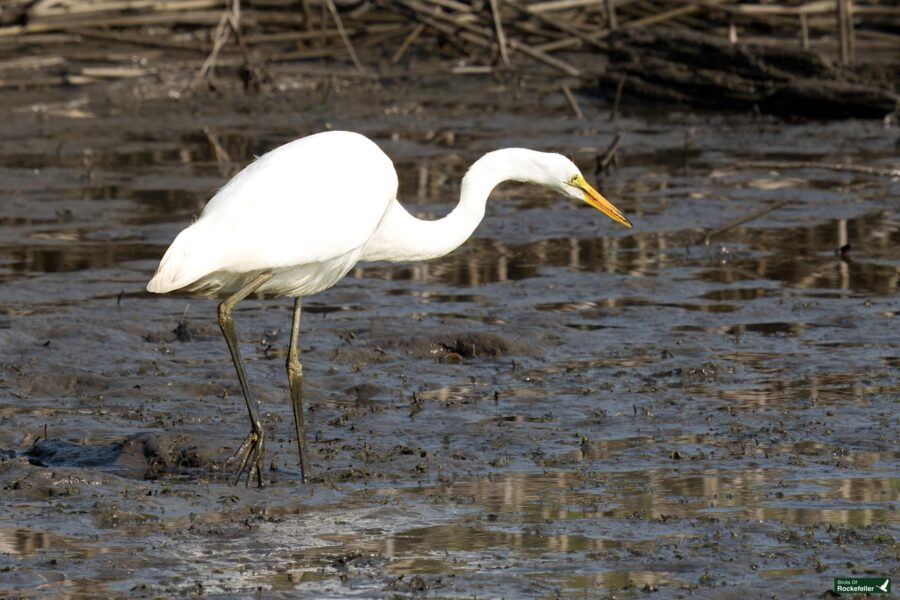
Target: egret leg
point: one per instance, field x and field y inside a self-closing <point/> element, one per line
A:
<point x="252" y="451"/>
<point x="295" y="379"/>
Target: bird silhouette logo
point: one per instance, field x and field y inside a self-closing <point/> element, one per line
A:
<point x="884" y="586"/>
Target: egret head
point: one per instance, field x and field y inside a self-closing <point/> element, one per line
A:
<point x="547" y="169"/>
<point x="561" y="174"/>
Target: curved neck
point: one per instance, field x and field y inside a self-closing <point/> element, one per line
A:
<point x="402" y="237"/>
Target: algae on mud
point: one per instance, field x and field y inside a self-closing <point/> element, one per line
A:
<point x="647" y="413"/>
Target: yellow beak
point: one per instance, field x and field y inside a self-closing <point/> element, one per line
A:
<point x="593" y="197"/>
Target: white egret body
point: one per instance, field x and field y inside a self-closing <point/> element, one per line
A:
<point x="296" y="220"/>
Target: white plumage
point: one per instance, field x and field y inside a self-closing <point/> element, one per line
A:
<point x="298" y="211"/>
<point x="296" y="220"/>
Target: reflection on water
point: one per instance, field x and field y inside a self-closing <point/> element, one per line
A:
<point x="19" y="541"/>
<point x="172" y="177"/>
<point x="740" y="293"/>
<point x="656" y="493"/>
<point x="810" y="265"/>
<point x="590" y="305"/>
<point x="439" y="550"/>
<point x="819" y="388"/>
<point x="168" y="203"/>
<point x="77" y="257"/>
<point x="774" y="328"/>
<point x="805" y="257"/>
<point x="549" y="515"/>
<point x="129" y="151"/>
<point x="628" y="581"/>
<point x="456" y="538"/>
<point x="834" y="504"/>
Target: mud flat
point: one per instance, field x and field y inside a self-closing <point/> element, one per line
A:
<point x="560" y="408"/>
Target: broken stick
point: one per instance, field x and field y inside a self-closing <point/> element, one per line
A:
<point x="745" y="219"/>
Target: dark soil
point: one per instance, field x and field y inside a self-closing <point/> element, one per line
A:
<point x="560" y="408"/>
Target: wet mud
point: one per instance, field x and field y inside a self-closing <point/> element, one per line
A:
<point x="560" y="408"/>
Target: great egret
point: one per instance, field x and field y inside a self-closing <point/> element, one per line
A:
<point x="297" y="219"/>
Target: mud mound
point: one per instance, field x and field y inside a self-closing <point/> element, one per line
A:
<point x="365" y="392"/>
<point x="143" y="456"/>
<point x="466" y="345"/>
<point x="491" y="345"/>
<point x="62" y="453"/>
<point x="165" y="452"/>
<point x="20" y="479"/>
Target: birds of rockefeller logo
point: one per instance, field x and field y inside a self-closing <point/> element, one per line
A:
<point x="862" y="585"/>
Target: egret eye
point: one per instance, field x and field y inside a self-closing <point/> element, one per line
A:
<point x="574" y="179"/>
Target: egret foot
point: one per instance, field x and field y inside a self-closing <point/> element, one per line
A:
<point x="251" y="455"/>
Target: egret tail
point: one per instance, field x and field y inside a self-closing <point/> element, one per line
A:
<point x="188" y="259"/>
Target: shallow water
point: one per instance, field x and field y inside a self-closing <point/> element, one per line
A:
<point x="560" y="408"/>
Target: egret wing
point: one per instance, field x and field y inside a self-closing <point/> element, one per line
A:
<point x="310" y="201"/>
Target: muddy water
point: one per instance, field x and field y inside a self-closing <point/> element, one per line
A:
<point x="560" y="408"/>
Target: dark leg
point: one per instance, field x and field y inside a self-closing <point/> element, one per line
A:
<point x="252" y="451"/>
<point x="295" y="379"/>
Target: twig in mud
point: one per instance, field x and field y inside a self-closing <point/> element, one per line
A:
<point x="745" y="219"/>
<point x="255" y="74"/>
<point x="226" y="165"/>
<point x="113" y="72"/>
<point x="544" y="58"/>
<point x="804" y="31"/>
<point x="182" y="331"/>
<point x="556" y="5"/>
<point x="346" y="39"/>
<point x="766" y="164"/>
<point x="686" y="149"/>
<point x="407" y="42"/>
<point x="612" y="19"/>
<point x="615" y="109"/>
<point x="563" y="44"/>
<point x="460" y="7"/>
<point x="290" y="36"/>
<point x="845" y="30"/>
<point x="338" y="50"/>
<point x="296" y="69"/>
<point x="228" y="23"/>
<point x="573" y="102"/>
<point x="479" y="35"/>
<point x="51" y="81"/>
<point x="661" y="17"/>
<point x="501" y="37"/>
<point x="456" y="38"/>
<point x="329" y="481"/>
<point x="307" y="15"/>
<point x="220" y="37"/>
<point x="472" y="70"/>
<point x="95" y="21"/>
<point x="423" y="11"/>
<point x="50" y="9"/>
<point x="668" y="15"/>
<point x="140" y="40"/>
<point x="557" y="24"/>
<point x="610" y="155"/>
